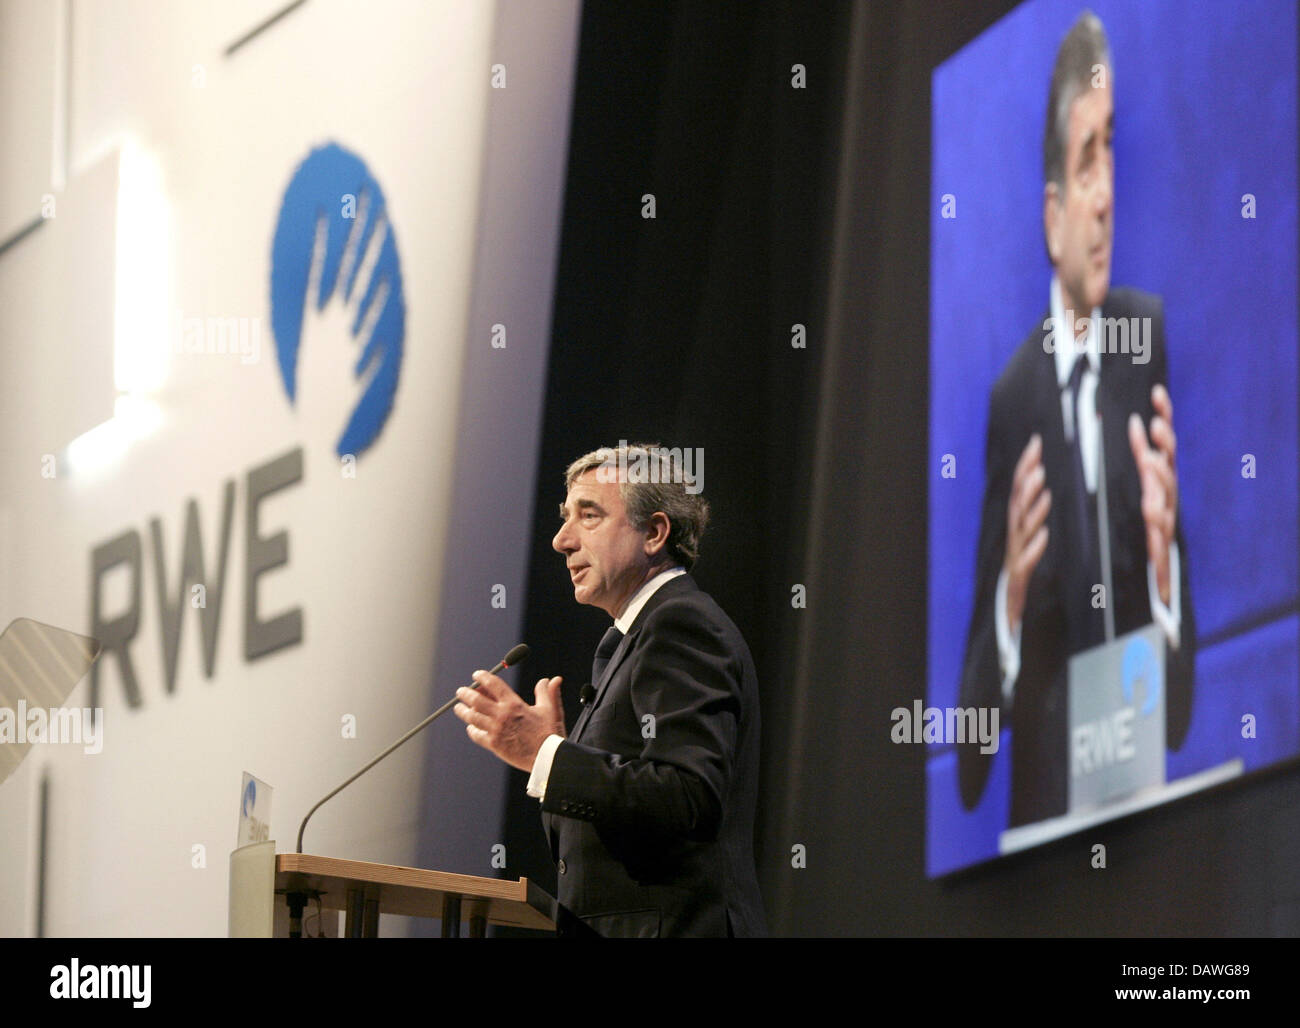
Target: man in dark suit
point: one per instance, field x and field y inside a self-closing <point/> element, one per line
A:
<point x="1093" y="378"/>
<point x="649" y="803"/>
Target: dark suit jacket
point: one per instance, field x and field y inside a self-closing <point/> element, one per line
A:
<point x="654" y="836"/>
<point x="1027" y="399"/>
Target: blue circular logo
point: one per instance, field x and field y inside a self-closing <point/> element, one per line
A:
<point x="1140" y="667"/>
<point x="250" y="798"/>
<point x="332" y="198"/>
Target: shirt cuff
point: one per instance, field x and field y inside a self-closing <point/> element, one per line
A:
<point x="1168" y="618"/>
<point x="542" y="766"/>
<point x="1008" y="644"/>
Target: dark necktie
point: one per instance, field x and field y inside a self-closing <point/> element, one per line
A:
<point x="1082" y="542"/>
<point x="608" y="644"/>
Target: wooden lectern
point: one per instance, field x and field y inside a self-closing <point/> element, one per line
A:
<point x="270" y="891"/>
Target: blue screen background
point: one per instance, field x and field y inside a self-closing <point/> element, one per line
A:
<point x="1205" y="112"/>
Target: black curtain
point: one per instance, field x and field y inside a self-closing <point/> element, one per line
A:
<point x="679" y="329"/>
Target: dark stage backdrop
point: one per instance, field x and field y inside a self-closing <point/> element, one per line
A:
<point x="776" y="206"/>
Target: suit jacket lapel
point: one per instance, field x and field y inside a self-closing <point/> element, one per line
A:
<point x="1119" y="394"/>
<point x="681" y="583"/>
<point x="623" y="649"/>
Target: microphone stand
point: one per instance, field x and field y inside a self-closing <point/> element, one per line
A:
<point x="519" y="658"/>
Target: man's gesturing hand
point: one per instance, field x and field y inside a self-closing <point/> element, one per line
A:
<point x="498" y="719"/>
<point x="1027" y="510"/>
<point x="1159" y="476"/>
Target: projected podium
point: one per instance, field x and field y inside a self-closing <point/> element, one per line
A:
<point x="270" y="892"/>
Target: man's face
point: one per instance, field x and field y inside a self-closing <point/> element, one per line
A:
<point x="606" y="556"/>
<point x="1079" y="217"/>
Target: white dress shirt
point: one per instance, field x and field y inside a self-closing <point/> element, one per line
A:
<point x="546" y="755"/>
<point x="1067" y="348"/>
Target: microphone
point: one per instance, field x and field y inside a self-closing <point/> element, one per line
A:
<point x="586" y="694"/>
<point x="516" y="656"/>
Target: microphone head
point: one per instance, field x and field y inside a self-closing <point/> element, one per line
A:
<point x="516" y="656"/>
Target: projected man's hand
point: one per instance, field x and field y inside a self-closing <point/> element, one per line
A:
<point x="1159" y="476"/>
<point x="1026" y="527"/>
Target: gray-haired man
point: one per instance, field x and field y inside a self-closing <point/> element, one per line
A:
<point x="649" y="802"/>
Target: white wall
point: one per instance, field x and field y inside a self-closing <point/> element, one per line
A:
<point x="176" y="163"/>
